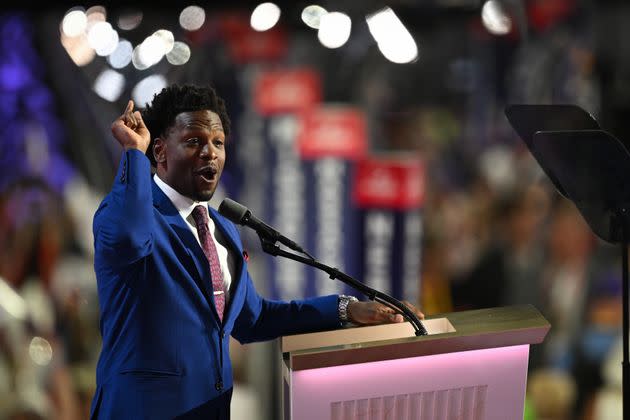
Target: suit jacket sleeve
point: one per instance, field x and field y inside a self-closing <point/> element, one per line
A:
<point x="262" y="319"/>
<point x="123" y="222"/>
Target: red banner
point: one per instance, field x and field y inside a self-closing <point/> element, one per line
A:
<point x="333" y="131"/>
<point x="247" y="45"/>
<point x="543" y="14"/>
<point x="390" y="182"/>
<point x="287" y="91"/>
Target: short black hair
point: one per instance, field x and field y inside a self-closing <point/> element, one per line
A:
<point x="159" y="115"/>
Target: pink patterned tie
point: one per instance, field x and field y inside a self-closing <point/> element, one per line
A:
<point x="200" y="214"/>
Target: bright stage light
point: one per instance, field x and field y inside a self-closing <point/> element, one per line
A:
<point x="334" y="29"/>
<point x="265" y="16"/>
<point x="393" y="39"/>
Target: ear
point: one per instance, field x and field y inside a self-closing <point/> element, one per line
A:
<point x="159" y="150"/>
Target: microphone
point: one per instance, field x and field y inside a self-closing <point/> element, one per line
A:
<point x="241" y="215"/>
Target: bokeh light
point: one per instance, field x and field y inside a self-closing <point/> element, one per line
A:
<point x="74" y="22"/>
<point x="334" y="29"/>
<point x="130" y="20"/>
<point x="495" y="19"/>
<point x="393" y="39"/>
<point x="180" y="54"/>
<point x="265" y="16"/>
<point x="78" y="49"/>
<point x="121" y="56"/>
<point x="192" y="18"/>
<point x="312" y="15"/>
<point x="143" y="92"/>
<point x="40" y="351"/>
<point x="109" y="85"/>
<point x="103" y="38"/>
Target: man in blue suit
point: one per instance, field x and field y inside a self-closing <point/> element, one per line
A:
<point x="173" y="283"/>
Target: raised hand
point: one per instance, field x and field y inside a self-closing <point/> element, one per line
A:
<point x="130" y="131"/>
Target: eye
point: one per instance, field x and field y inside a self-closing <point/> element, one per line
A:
<point x="218" y="142"/>
<point x="193" y="141"/>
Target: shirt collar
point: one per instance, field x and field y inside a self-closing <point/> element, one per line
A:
<point x="183" y="204"/>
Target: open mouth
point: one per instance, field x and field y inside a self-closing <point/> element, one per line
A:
<point x="207" y="173"/>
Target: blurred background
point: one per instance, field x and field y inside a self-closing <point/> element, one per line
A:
<point x="371" y="132"/>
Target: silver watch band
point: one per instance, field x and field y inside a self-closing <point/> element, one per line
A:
<point x="344" y="301"/>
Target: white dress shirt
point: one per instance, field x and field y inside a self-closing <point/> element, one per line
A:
<point x="185" y="206"/>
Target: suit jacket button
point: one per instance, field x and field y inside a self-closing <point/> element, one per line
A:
<point x="222" y="335"/>
<point x="219" y="386"/>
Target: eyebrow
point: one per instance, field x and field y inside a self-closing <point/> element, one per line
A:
<point x="194" y="127"/>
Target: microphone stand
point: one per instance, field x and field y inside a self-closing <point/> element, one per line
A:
<point x="269" y="246"/>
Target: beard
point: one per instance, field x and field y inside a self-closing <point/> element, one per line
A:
<point x="203" y="195"/>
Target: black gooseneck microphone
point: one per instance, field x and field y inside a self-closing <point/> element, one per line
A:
<point x="241" y="215"/>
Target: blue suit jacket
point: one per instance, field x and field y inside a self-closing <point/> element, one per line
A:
<point x="164" y="350"/>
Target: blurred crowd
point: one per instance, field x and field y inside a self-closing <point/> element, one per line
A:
<point x="496" y="233"/>
<point x="530" y="245"/>
<point x="49" y="336"/>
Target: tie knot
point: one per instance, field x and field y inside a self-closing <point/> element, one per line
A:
<point x="200" y="214"/>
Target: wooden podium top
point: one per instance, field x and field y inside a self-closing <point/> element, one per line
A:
<point x="448" y="333"/>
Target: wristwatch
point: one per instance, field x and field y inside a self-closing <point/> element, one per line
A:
<point x="344" y="301"/>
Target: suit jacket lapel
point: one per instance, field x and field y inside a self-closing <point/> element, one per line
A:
<point x="219" y="222"/>
<point x="196" y="257"/>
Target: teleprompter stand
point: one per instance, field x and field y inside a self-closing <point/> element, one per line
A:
<point x="590" y="167"/>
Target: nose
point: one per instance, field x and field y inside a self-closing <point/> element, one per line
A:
<point x="208" y="151"/>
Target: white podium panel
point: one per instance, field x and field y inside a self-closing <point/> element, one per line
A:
<point x="471" y="366"/>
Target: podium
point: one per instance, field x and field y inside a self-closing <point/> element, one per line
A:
<point x="472" y="365"/>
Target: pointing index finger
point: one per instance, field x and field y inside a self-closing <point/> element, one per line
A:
<point x="129" y="117"/>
